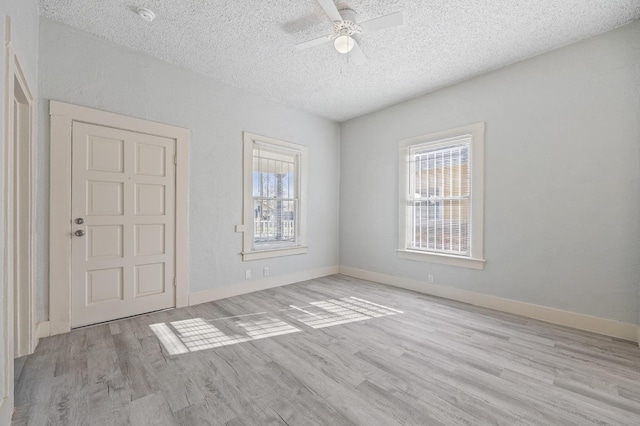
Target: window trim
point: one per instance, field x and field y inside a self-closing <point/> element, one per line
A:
<point x="476" y="259"/>
<point x="248" y="251"/>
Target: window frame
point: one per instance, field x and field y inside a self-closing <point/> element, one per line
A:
<point x="476" y="152"/>
<point x="249" y="252"/>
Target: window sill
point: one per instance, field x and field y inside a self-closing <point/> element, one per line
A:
<point x="445" y="259"/>
<point x="266" y="254"/>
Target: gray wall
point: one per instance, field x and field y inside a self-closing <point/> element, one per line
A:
<point x="561" y="178"/>
<point x="24" y="15"/>
<point x="78" y="68"/>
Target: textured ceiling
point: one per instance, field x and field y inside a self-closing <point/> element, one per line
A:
<point x="251" y="43"/>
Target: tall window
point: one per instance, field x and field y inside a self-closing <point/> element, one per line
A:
<point x="275" y="195"/>
<point x="441" y="197"/>
<point x="274" y="184"/>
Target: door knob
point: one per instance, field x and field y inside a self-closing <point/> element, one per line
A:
<point x="79" y="221"/>
<point x="79" y="233"/>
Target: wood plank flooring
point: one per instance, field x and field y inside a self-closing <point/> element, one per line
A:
<point x="438" y="362"/>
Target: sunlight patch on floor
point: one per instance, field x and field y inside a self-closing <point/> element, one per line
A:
<point x="196" y="334"/>
<point x="328" y="313"/>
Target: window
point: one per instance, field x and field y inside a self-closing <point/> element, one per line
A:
<point x="441" y="197"/>
<point x="274" y="197"/>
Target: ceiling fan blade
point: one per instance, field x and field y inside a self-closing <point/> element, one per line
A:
<point x="330" y="9"/>
<point x="382" y="22"/>
<point x="314" y="42"/>
<point x="356" y="54"/>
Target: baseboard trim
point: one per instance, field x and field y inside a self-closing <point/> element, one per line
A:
<point x="58" y="327"/>
<point x="264" y="284"/>
<point x="576" y="320"/>
<point x="43" y="329"/>
<point x="6" y="410"/>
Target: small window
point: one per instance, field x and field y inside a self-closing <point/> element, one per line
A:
<point x="441" y="201"/>
<point x="274" y="197"/>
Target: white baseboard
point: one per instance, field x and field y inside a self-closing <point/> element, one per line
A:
<point x="58" y="327"/>
<point x="556" y="316"/>
<point x="6" y="410"/>
<point x="250" y="286"/>
<point x="43" y="329"/>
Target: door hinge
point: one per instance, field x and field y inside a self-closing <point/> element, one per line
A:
<point x="175" y="159"/>
<point x="175" y="282"/>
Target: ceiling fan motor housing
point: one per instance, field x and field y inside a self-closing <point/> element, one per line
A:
<point x="348" y="24"/>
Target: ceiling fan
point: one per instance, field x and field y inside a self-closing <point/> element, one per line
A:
<point x="345" y="27"/>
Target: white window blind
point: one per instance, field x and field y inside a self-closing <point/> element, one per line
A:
<point x="439" y="200"/>
<point x="275" y="196"/>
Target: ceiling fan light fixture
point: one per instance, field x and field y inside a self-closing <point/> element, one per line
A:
<point x="344" y="43"/>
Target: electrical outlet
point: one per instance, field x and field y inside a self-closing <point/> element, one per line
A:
<point x="265" y="272"/>
<point x="430" y="278"/>
<point x="247" y="274"/>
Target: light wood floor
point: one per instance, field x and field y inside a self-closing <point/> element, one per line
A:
<point x="437" y="362"/>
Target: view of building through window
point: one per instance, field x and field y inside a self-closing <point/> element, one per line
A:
<point x="275" y="195"/>
<point x="441" y="195"/>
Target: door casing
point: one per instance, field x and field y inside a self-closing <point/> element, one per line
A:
<point x="63" y="116"/>
<point x="18" y="309"/>
<point x="22" y="210"/>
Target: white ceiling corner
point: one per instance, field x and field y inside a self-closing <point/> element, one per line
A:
<point x="250" y="44"/>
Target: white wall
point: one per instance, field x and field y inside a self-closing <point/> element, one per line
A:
<point x="562" y="168"/>
<point x="562" y="202"/>
<point x="24" y="16"/>
<point x="78" y="68"/>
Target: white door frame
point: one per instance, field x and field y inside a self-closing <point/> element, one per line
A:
<point x="60" y="221"/>
<point x="18" y="195"/>
<point x="24" y="294"/>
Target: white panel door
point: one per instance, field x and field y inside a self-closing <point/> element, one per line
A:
<point x="123" y="224"/>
